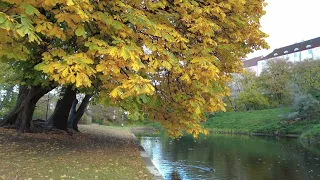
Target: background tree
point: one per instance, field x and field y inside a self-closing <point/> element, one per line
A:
<point x="275" y="81"/>
<point x="108" y="115"/>
<point x="306" y="77"/>
<point x="45" y="106"/>
<point x="8" y="92"/>
<point x="245" y="93"/>
<point x="168" y="60"/>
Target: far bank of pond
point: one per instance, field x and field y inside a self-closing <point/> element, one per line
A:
<point x="224" y="157"/>
<point x="263" y="122"/>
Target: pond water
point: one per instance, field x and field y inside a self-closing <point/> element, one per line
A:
<point x="228" y="157"/>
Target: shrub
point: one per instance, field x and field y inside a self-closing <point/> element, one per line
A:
<point x="305" y="107"/>
<point x="252" y="100"/>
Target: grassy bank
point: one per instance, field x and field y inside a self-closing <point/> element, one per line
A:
<point x="267" y="121"/>
<point x="98" y="152"/>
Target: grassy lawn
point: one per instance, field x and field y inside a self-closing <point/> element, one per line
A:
<point x="312" y="133"/>
<point x="98" y="152"/>
<point x="267" y="121"/>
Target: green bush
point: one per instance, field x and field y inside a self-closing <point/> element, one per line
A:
<point x="252" y="100"/>
<point x="305" y="107"/>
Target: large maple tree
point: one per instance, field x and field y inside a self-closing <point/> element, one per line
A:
<point x="169" y="60"/>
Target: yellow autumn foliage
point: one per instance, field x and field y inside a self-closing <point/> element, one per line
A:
<point x="176" y="55"/>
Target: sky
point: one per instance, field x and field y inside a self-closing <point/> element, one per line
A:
<point x="288" y="22"/>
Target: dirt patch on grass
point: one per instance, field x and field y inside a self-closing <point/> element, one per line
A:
<point x="97" y="152"/>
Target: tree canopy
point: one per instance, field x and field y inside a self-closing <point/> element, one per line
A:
<point x="168" y="60"/>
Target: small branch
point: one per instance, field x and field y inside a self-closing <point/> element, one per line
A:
<point x="9" y="8"/>
<point x="121" y="69"/>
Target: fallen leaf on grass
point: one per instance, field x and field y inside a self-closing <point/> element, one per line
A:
<point x="63" y="176"/>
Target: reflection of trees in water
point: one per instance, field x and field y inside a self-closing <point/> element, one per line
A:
<point x="175" y="175"/>
<point x="239" y="157"/>
<point x="262" y="158"/>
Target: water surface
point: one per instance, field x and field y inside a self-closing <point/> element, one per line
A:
<point x="228" y="157"/>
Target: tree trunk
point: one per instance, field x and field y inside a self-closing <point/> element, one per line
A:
<point x="73" y="112"/>
<point x="77" y="115"/>
<point x="21" y="115"/>
<point x="59" y="118"/>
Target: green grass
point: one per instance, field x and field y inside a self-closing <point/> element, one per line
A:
<point x="312" y="134"/>
<point x="268" y="121"/>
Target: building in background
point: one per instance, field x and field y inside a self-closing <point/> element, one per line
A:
<point x="309" y="49"/>
<point x="252" y="64"/>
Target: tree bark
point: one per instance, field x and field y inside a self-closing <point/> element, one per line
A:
<point x="75" y="116"/>
<point x="60" y="116"/>
<point x="73" y="112"/>
<point x="21" y="115"/>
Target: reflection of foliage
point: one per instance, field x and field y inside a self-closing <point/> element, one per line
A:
<point x="234" y="156"/>
<point x="175" y="175"/>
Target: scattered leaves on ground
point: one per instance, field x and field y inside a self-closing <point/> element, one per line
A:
<point x="96" y="153"/>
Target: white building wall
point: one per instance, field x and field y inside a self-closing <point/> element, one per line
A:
<point x="316" y="53"/>
<point x="253" y="69"/>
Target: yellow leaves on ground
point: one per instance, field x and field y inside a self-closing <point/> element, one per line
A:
<point x="58" y="156"/>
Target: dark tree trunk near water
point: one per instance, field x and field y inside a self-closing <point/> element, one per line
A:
<point x="60" y="116"/>
<point x="21" y="115"/>
<point x="76" y="115"/>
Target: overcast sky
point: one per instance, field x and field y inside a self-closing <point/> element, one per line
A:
<point x="289" y="21"/>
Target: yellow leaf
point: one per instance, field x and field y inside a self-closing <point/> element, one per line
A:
<point x="64" y="176"/>
<point x="198" y="111"/>
<point x="186" y="78"/>
<point x="70" y="3"/>
<point x="114" y="93"/>
<point x="78" y="80"/>
<point x="167" y="65"/>
<point x="65" y="72"/>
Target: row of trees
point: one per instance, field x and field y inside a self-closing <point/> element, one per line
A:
<point x="281" y="83"/>
<point x="166" y="59"/>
